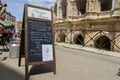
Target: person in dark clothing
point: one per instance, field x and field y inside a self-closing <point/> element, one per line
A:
<point x="11" y="32"/>
<point x="4" y="36"/>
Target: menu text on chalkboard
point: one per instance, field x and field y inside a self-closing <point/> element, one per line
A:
<point x="37" y="39"/>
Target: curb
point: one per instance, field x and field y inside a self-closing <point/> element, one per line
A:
<point x="89" y="49"/>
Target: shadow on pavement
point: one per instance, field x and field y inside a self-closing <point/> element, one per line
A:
<point x="3" y="58"/>
<point x="40" y="69"/>
<point x="6" y="73"/>
<point x="4" y="50"/>
<point x="118" y="72"/>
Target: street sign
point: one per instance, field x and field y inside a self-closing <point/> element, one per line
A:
<point x="37" y="40"/>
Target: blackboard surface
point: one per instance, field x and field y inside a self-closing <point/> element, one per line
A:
<point x="39" y="33"/>
<point x="37" y="39"/>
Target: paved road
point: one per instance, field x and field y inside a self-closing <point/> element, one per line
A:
<point x="71" y="65"/>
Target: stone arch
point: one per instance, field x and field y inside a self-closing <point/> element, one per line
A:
<point x="62" y="37"/>
<point x="81" y="6"/>
<point x="106" y="4"/>
<point x="78" y="39"/>
<point x="102" y="42"/>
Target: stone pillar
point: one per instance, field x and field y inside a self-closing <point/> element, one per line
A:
<point x="71" y="8"/>
<point x="98" y="6"/>
<point x="59" y="10"/>
<point x="53" y="15"/>
<point x="116" y="9"/>
<point x="68" y="36"/>
<point x="71" y="36"/>
<point x="117" y="4"/>
<point x="93" y="6"/>
<point x="57" y="36"/>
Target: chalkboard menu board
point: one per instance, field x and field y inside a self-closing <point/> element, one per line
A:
<point x="39" y="39"/>
<point x="37" y="42"/>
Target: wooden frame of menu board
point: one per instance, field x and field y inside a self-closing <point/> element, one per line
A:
<point x="22" y="41"/>
<point x="38" y="37"/>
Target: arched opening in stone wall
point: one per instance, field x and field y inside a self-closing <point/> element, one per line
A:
<point x="64" y="8"/>
<point x="62" y="37"/>
<point x="106" y="5"/>
<point x="79" y="39"/>
<point x="103" y="42"/>
<point x="81" y="6"/>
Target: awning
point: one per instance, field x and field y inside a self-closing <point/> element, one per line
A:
<point x="7" y="24"/>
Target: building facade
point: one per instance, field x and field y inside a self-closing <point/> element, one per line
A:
<point x="9" y="19"/>
<point x="93" y="23"/>
<point x="18" y="27"/>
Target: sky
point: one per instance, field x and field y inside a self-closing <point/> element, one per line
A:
<point x="15" y="7"/>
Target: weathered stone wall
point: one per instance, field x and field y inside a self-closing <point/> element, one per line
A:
<point x="117" y="40"/>
<point x="94" y="24"/>
<point x="59" y="9"/>
<point x="117" y="4"/>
